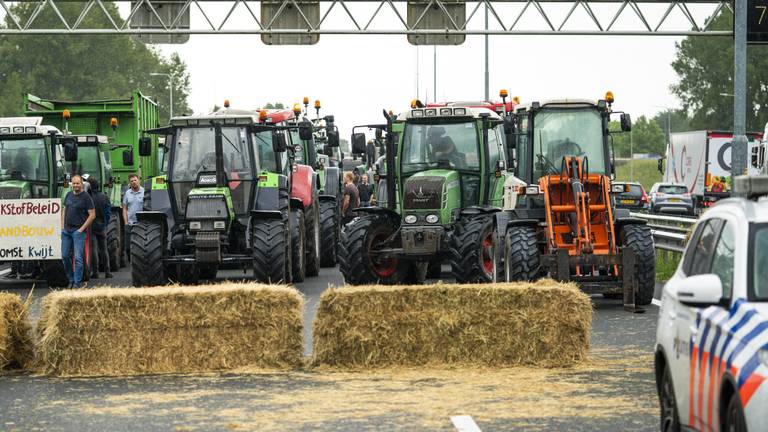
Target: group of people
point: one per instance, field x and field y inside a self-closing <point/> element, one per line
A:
<point x="358" y="192"/>
<point x="83" y="210"/>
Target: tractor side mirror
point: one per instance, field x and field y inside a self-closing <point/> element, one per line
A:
<point x="329" y="119"/>
<point x="145" y="147"/>
<point x="70" y="148"/>
<point x="358" y="143"/>
<point x="305" y="131"/>
<point x="333" y="138"/>
<point x="379" y="134"/>
<point x="758" y="156"/>
<point x="279" y="144"/>
<point x="626" y="123"/>
<point x="128" y="157"/>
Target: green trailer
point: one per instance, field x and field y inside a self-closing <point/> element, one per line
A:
<point x="108" y="134"/>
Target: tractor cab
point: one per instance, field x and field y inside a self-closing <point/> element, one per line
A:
<point x="92" y="159"/>
<point x="30" y="158"/>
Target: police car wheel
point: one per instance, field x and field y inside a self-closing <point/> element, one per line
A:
<point x="734" y="418"/>
<point x="670" y="420"/>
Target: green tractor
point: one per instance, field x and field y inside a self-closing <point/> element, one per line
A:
<point x="314" y="154"/>
<point x="108" y="134"/>
<point x="32" y="167"/>
<point x="560" y="217"/>
<point x="234" y="198"/>
<point x="445" y="173"/>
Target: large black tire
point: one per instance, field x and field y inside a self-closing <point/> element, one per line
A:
<point x="271" y="251"/>
<point x="54" y="274"/>
<point x="329" y="229"/>
<point x="357" y="265"/>
<point x="670" y="416"/>
<point x="208" y="272"/>
<point x="522" y="259"/>
<point x="473" y="258"/>
<point x="298" y="255"/>
<point x="147" y="245"/>
<point x="734" y="416"/>
<point x="640" y="239"/>
<point x="312" y="244"/>
<point x="114" y="243"/>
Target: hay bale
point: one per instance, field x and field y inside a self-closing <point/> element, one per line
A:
<point x="128" y="331"/>
<point x="15" y="334"/>
<point x="537" y="324"/>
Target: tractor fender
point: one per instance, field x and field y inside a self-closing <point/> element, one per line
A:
<point x="475" y="210"/>
<point x="622" y="222"/>
<point x="267" y="214"/>
<point x="327" y="198"/>
<point x="332" y="181"/>
<point x="302" y="184"/>
<point x="382" y="211"/>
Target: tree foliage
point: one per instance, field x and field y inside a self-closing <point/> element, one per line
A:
<point x="646" y="137"/>
<point x="84" y="67"/>
<point x="276" y="105"/>
<point x="705" y="68"/>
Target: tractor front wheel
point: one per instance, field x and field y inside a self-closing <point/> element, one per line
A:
<point x="359" y="258"/>
<point x="298" y="257"/>
<point x="473" y="250"/>
<point x="271" y="251"/>
<point x="329" y="229"/>
<point x="640" y="240"/>
<point x="312" y="232"/>
<point x="147" y="245"/>
<point x="522" y="260"/>
<point x="113" y="242"/>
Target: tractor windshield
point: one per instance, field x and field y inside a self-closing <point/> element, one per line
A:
<point x="567" y="132"/>
<point x="88" y="162"/>
<point x="23" y="159"/>
<point x="428" y="146"/>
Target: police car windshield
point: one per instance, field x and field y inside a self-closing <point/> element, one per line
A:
<point x="567" y="132"/>
<point x="23" y="159"/>
<point x="425" y="146"/>
<point x="759" y="263"/>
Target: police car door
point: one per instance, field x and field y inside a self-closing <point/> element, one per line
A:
<point x="682" y="319"/>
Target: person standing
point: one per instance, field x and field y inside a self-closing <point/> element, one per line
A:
<point x="351" y="200"/>
<point x="76" y="216"/>
<point x="133" y="202"/>
<point x="99" y="231"/>
<point x="365" y="191"/>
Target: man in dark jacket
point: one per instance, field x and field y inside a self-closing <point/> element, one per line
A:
<point x="99" y="231"/>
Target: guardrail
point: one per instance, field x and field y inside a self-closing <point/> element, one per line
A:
<point x="670" y="233"/>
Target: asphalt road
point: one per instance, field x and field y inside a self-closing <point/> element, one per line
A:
<point x="613" y="391"/>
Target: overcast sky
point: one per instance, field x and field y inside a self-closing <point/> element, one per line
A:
<point x="355" y="77"/>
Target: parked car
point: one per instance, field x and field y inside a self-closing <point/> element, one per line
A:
<point x="671" y="198"/>
<point x="711" y="360"/>
<point x="634" y="199"/>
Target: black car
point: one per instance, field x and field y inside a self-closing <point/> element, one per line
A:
<point x="634" y="199"/>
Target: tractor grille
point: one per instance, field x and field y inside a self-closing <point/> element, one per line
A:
<point x="8" y="192"/>
<point x="206" y="207"/>
<point x="423" y="193"/>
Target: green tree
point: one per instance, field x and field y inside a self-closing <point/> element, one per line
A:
<point x="276" y="105"/>
<point x="83" y="67"/>
<point x="646" y="137"/>
<point x="678" y="119"/>
<point x="705" y="69"/>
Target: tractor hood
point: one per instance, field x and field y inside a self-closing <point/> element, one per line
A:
<point x="14" y="189"/>
<point x="434" y="192"/>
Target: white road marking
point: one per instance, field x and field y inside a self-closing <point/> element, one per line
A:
<point x="4" y="272"/>
<point x="656" y="302"/>
<point x="464" y="423"/>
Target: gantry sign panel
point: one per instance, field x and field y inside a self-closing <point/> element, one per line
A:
<point x="757" y="21"/>
<point x="424" y="22"/>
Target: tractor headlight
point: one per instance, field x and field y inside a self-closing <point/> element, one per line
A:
<point x="432" y="218"/>
<point x="219" y="224"/>
<point x="195" y="225"/>
<point x="411" y="219"/>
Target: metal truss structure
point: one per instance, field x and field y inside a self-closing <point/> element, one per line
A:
<point x="311" y="18"/>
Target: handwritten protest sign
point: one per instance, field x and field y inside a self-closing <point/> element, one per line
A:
<point x="30" y="229"/>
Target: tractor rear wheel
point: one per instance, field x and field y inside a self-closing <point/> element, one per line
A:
<point x="358" y="258"/>
<point x="271" y="251"/>
<point x="640" y="240"/>
<point x="312" y="244"/>
<point x="329" y="229"/>
<point x="298" y="256"/>
<point x="113" y="242"/>
<point x="474" y="258"/>
<point x="147" y="245"/>
<point x="522" y="260"/>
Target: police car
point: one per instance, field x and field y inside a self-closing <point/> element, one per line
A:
<point x="712" y="337"/>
